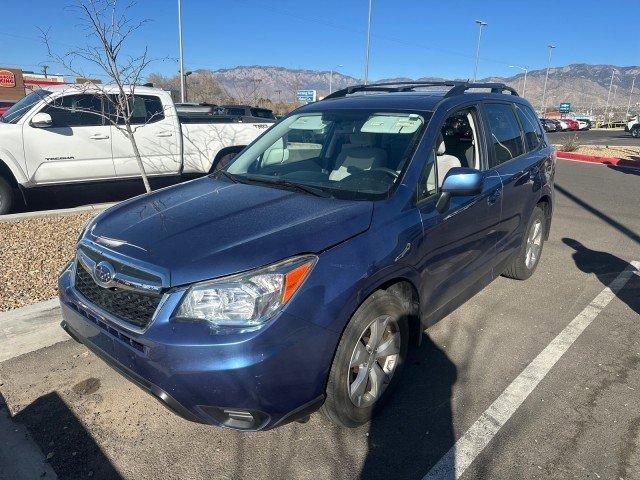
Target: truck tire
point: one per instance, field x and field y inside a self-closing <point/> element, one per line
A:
<point x="635" y="131"/>
<point x="360" y="358"/>
<point x="6" y="196"/>
<point x="528" y="256"/>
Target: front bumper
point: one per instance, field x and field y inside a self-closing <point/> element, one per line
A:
<point x="248" y="381"/>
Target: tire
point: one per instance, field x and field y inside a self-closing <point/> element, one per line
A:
<point x="6" y="196"/>
<point x="382" y="306"/>
<point x="635" y="131"/>
<point x="522" y="267"/>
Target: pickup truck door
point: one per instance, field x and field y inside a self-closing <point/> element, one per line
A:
<point x="77" y="146"/>
<point x="157" y="135"/>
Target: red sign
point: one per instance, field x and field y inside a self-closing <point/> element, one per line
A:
<point x="7" y="79"/>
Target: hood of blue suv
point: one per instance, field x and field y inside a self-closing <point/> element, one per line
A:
<point x="209" y="228"/>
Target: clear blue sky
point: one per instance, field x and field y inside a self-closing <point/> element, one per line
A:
<point x="410" y="37"/>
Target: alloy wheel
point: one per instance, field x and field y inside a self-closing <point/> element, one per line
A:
<point x="373" y="361"/>
<point x="534" y="244"/>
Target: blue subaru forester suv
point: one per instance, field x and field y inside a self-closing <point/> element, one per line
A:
<point x="295" y="276"/>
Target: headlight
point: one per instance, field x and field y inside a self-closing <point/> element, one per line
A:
<point x="248" y="299"/>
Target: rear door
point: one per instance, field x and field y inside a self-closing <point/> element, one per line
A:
<point x="157" y="136"/>
<point x="516" y="153"/>
<point x="77" y="146"/>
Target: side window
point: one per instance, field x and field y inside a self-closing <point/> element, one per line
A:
<point x="82" y="110"/>
<point x="145" y="109"/>
<point x="428" y="183"/>
<point x="505" y="133"/>
<point x="531" y="127"/>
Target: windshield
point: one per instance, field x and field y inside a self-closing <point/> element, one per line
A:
<point x="18" y="110"/>
<point x="351" y="154"/>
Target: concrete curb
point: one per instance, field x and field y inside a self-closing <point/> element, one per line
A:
<point x="15" y="217"/>
<point x="581" y="157"/>
<point x="27" y="329"/>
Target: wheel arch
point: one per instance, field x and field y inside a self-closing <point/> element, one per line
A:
<point x="545" y="203"/>
<point x="224" y="151"/>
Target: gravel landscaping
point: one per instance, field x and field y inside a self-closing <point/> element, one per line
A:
<point x="32" y="254"/>
<point x="628" y="153"/>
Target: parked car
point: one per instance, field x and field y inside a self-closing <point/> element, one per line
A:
<point x="571" y="124"/>
<point x="633" y="126"/>
<point x="52" y="137"/>
<point x="563" y="125"/>
<point x="296" y="277"/>
<point x="583" y="125"/>
<point x="549" y="125"/>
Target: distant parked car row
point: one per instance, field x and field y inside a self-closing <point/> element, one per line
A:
<point x="564" y="124"/>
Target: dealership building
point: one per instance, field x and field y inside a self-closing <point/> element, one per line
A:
<point x="15" y="83"/>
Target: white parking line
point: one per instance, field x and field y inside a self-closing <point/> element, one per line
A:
<point x="454" y="463"/>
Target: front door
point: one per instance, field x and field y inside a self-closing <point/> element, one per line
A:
<point x="77" y="146"/>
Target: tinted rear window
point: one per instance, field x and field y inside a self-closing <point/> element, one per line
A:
<point x="505" y="133"/>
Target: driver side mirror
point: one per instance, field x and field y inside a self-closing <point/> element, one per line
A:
<point x="41" y="120"/>
<point x="459" y="182"/>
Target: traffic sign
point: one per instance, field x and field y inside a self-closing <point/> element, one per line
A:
<point x="565" y="108"/>
<point x="306" y="95"/>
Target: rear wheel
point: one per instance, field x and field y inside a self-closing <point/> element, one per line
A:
<point x="6" y="196"/>
<point x="635" y="131"/>
<point x="526" y="261"/>
<point x="368" y="360"/>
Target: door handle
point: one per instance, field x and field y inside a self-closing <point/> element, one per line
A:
<point x="98" y="136"/>
<point x="164" y="134"/>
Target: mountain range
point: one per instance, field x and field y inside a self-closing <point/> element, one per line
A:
<point x="585" y="86"/>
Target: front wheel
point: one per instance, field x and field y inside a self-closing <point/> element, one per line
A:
<point x="528" y="256"/>
<point x="6" y="196"/>
<point x="635" y="131"/>
<point x="368" y="360"/>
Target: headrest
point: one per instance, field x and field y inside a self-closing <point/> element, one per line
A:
<point x="361" y="139"/>
<point x="441" y="146"/>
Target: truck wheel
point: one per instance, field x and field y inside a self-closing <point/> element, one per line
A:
<point x="368" y="360"/>
<point x="635" y="131"/>
<point x="526" y="261"/>
<point x="224" y="162"/>
<point x="6" y="196"/>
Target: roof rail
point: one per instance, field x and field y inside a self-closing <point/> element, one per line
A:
<point x="457" y="87"/>
<point x="495" y="88"/>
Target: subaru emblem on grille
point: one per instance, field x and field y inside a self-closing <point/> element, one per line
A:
<point x="103" y="274"/>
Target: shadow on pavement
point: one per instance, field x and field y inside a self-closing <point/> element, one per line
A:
<point x="601" y="215"/>
<point x="70" y="448"/>
<point x="605" y="266"/>
<point x="627" y="170"/>
<point x="415" y="429"/>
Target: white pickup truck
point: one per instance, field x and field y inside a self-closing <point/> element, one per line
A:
<point x="50" y="137"/>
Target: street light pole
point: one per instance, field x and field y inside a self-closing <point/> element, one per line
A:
<point x="366" y="58"/>
<point x="331" y="79"/>
<point x="606" y="108"/>
<point x="546" y="79"/>
<point x="182" y="76"/>
<point x="480" y="25"/>
<point x="524" y="83"/>
<point x="630" y="94"/>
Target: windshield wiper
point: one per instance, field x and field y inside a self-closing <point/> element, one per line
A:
<point x="318" y="192"/>
<point x="228" y="175"/>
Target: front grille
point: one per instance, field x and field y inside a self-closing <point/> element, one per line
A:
<point x="132" y="307"/>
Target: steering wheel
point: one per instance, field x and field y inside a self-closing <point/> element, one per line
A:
<point x="386" y="170"/>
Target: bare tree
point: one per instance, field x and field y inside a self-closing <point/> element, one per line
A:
<point x="108" y="30"/>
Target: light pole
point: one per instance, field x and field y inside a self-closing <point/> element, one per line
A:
<point x="606" y="108"/>
<point x="182" y="75"/>
<point x="626" y="116"/>
<point x="524" y="83"/>
<point x="331" y="78"/>
<point x="184" y="85"/>
<point x="480" y="25"/>
<point x="546" y="78"/>
<point x="366" y="57"/>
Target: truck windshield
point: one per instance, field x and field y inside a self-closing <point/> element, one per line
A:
<point x="19" y="109"/>
<point x="350" y="154"/>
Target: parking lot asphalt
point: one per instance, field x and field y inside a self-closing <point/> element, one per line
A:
<point x="611" y="138"/>
<point x="581" y="419"/>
